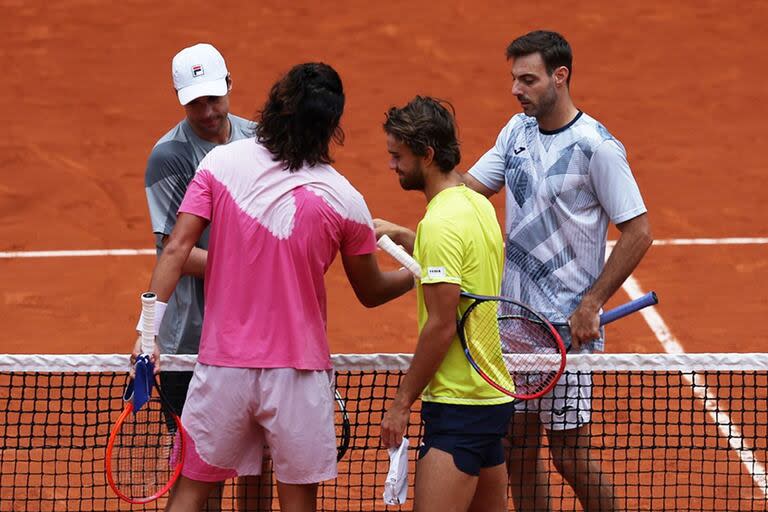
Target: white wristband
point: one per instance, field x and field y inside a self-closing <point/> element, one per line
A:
<point x="159" y="313"/>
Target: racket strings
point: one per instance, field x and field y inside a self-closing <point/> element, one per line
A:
<point x="146" y="451"/>
<point x="508" y="335"/>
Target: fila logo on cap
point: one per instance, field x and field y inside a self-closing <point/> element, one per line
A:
<point x="197" y="70"/>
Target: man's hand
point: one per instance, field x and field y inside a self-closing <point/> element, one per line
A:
<point x="400" y="235"/>
<point x="155" y="357"/>
<point x="393" y="426"/>
<point x="384" y="227"/>
<point x="585" y="323"/>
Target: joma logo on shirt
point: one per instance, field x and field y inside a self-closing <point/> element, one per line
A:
<point x="436" y="271"/>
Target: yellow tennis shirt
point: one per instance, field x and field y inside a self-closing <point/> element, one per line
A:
<point x="459" y="241"/>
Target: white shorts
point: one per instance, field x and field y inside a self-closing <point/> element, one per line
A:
<point x="231" y="413"/>
<point x="567" y="406"/>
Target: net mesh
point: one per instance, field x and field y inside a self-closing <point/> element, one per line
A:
<point x="672" y="433"/>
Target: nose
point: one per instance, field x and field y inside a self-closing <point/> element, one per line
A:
<point x="516" y="88"/>
<point x="392" y="164"/>
<point x="207" y="109"/>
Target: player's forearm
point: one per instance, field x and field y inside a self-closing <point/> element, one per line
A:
<point x="195" y="264"/>
<point x="390" y="286"/>
<point x="168" y="269"/>
<point x="633" y="243"/>
<point x="433" y="344"/>
<point x="404" y="237"/>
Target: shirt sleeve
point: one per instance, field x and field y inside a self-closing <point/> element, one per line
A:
<point x="439" y="251"/>
<point x="165" y="181"/>
<point x="198" y="199"/>
<point x="358" y="236"/>
<point x="490" y="170"/>
<point x="614" y="184"/>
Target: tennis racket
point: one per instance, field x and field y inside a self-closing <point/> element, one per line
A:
<point x="511" y="346"/>
<point x="343" y="427"/>
<point x="146" y="446"/>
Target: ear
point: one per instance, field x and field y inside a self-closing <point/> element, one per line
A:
<point x="229" y="83"/>
<point x="429" y="156"/>
<point x="560" y="76"/>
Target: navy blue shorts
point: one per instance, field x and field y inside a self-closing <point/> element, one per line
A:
<point x="472" y="434"/>
<point x="175" y="386"/>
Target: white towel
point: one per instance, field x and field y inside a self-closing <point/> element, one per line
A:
<point x="396" y="485"/>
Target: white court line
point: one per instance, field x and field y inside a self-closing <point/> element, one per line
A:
<point x="712" y="241"/>
<point x="152" y="252"/>
<point x="707" y="241"/>
<point x="700" y="389"/>
<point x="65" y="254"/>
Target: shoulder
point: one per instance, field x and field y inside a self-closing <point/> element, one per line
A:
<point x="517" y="124"/>
<point x="232" y="157"/>
<point x="449" y="209"/>
<point x="336" y="192"/>
<point x="175" y="134"/>
<point x="173" y="142"/>
<point x="236" y="148"/>
<point x="344" y="187"/>
<point x="592" y="134"/>
<point x="241" y="127"/>
<point x="172" y="154"/>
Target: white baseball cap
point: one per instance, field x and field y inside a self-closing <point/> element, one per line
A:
<point x="198" y="71"/>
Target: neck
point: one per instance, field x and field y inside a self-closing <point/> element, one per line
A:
<point x="221" y="137"/>
<point x="563" y="113"/>
<point x="437" y="181"/>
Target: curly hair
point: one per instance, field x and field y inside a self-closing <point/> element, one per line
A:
<point x="423" y="123"/>
<point x="301" y="116"/>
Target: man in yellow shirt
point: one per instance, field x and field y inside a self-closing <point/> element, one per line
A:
<point x="459" y="246"/>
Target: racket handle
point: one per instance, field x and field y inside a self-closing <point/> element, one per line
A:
<point x="148" y="300"/>
<point x="387" y="245"/>
<point x="649" y="299"/>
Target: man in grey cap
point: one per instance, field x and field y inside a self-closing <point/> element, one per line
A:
<point x="202" y="84"/>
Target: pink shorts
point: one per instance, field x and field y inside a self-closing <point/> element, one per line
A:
<point x="232" y="413"/>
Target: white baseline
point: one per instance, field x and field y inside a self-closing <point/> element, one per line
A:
<point x="152" y="252"/>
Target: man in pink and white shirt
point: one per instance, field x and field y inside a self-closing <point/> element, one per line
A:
<point x="278" y="214"/>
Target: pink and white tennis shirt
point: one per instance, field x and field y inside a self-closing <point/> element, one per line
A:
<point x="273" y="235"/>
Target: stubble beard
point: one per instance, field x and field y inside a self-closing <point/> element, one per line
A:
<point x="413" y="180"/>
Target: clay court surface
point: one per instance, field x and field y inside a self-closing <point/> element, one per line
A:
<point x="87" y="92"/>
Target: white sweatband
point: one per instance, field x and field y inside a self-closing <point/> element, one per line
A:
<point x="159" y="313"/>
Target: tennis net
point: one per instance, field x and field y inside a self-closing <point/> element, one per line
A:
<point x="672" y="433"/>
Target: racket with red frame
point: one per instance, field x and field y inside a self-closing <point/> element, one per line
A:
<point x="512" y="347"/>
<point x="145" y="451"/>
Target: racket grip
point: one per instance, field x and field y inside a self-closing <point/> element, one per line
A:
<point x="148" y="301"/>
<point x="649" y="299"/>
<point x="387" y="245"/>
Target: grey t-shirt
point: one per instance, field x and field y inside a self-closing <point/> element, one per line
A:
<point x="170" y="168"/>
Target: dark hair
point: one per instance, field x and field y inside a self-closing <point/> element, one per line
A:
<point x="423" y="123"/>
<point x="554" y="50"/>
<point x="301" y="116"/>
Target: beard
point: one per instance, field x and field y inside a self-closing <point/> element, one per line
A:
<point x="413" y="180"/>
<point x="544" y="106"/>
